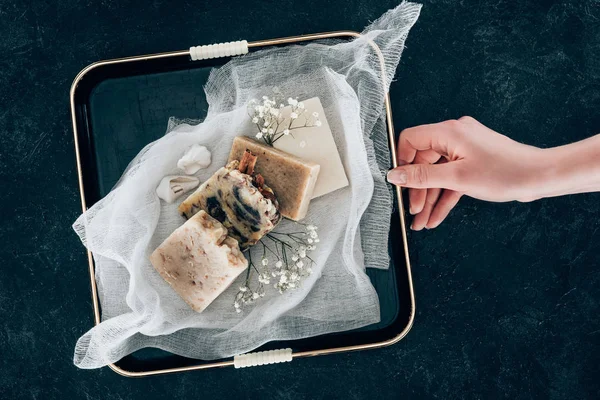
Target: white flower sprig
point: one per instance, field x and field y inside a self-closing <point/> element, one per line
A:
<point x="287" y="253"/>
<point x="272" y="126"/>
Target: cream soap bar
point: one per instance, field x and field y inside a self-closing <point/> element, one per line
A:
<point x="199" y="260"/>
<point x="291" y="179"/>
<point x="316" y="144"/>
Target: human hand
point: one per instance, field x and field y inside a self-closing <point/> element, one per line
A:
<point x="441" y="162"/>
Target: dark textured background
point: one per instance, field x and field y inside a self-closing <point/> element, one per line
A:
<point x="508" y="295"/>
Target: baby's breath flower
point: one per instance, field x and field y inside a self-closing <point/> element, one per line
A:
<point x="271" y="122"/>
<point x="315" y="114"/>
<point x="264" y="278"/>
<point x="290" y="263"/>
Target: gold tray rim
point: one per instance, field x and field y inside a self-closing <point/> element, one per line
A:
<point x="392" y="141"/>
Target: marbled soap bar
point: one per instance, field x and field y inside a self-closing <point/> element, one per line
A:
<point x="291" y="178"/>
<point x="199" y="260"/>
<point x="231" y="197"/>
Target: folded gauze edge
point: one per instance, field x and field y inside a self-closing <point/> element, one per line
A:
<point x="139" y="309"/>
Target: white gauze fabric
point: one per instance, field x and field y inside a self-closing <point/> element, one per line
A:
<point x="139" y="309"/>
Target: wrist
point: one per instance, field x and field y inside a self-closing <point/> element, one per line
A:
<point x="540" y="175"/>
<point x="568" y="169"/>
<point x="551" y="177"/>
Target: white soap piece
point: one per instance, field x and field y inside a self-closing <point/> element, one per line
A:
<point x="315" y="144"/>
<point x="196" y="158"/>
<point x="172" y="187"/>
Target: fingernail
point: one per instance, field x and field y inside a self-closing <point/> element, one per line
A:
<point x="401" y="162"/>
<point x="432" y="226"/>
<point x="397" y="177"/>
<point x="414" y="211"/>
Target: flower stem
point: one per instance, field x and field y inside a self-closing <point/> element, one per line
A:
<point x="249" y="269"/>
<point x="268" y="248"/>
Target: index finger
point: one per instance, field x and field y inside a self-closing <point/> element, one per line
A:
<point x="423" y="137"/>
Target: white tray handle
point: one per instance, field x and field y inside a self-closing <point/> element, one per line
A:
<point x="219" y="50"/>
<point x="262" y="358"/>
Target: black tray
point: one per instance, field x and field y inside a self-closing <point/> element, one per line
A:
<point x="119" y="106"/>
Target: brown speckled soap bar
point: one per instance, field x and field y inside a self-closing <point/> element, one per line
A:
<point x="292" y="179"/>
<point x="199" y="260"/>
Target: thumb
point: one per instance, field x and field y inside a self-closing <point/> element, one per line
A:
<point x="423" y="176"/>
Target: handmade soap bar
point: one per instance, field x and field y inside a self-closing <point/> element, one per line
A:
<point x="316" y="144"/>
<point x="247" y="211"/>
<point x="292" y="179"/>
<point x="199" y="260"/>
